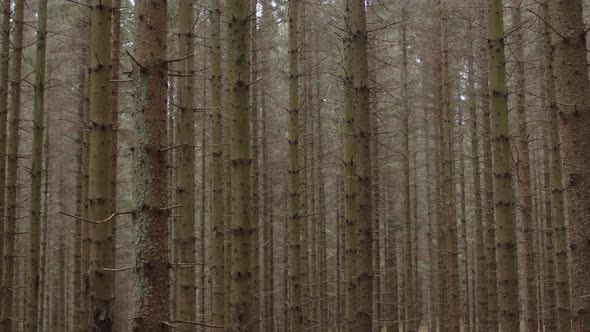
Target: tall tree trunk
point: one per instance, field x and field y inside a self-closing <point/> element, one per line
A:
<point x="31" y="323"/>
<point x="9" y="298"/>
<point x="217" y="174"/>
<point x="150" y="217"/>
<point x="4" y="70"/>
<point x="100" y="167"/>
<point x="409" y="292"/>
<point x="556" y="236"/>
<point x="502" y="165"/>
<point x="295" y="220"/>
<point x="115" y="68"/>
<point x="363" y="170"/>
<point x="185" y="181"/>
<point x="570" y="71"/>
<point x="452" y="265"/>
<point x="481" y="278"/>
<point x="241" y="298"/>
<point x="350" y="180"/>
<point x="524" y="176"/>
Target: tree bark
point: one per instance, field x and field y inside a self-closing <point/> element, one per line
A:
<point x="151" y="301"/>
<point x="31" y="322"/>
<point x="502" y="164"/>
<point x="568" y="41"/>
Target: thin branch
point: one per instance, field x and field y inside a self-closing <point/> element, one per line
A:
<point x="95" y="221"/>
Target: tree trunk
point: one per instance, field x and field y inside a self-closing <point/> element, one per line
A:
<point x="4" y="70"/>
<point x="150" y="212"/>
<point x="241" y="298"/>
<point x="36" y="171"/>
<point x="295" y="220"/>
<point x="570" y="71"/>
<point x="9" y="297"/>
<point x="363" y="170"/>
<point x="502" y="165"/>
<point x="350" y="180"/>
<point x="524" y="176"/>
<point x="185" y="181"/>
<point x="217" y="174"/>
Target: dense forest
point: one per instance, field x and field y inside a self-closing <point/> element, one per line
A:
<point x="294" y="165"/>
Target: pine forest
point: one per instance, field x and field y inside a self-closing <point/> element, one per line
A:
<point x="295" y="165"/>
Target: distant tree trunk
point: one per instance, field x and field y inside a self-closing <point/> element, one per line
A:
<point x="481" y="278"/>
<point x="9" y="298"/>
<point x="44" y="295"/>
<point x="452" y="265"/>
<point x="203" y="252"/>
<point x="363" y="171"/>
<point x="350" y="180"/>
<point x="4" y="70"/>
<point x="408" y="276"/>
<point x="150" y="217"/>
<point x="185" y="176"/>
<point x="31" y="323"/>
<point x="502" y="165"/>
<point x="391" y="263"/>
<point x="431" y="307"/>
<point x="295" y="220"/>
<point x="572" y="86"/>
<point x="78" y="273"/>
<point x="241" y="298"/>
<point x="257" y="235"/>
<point x="557" y="297"/>
<point x="217" y="174"/>
<point x="524" y="176"/>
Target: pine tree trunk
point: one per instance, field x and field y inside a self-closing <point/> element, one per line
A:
<point x="556" y="305"/>
<point x="115" y="68"/>
<point x="9" y="304"/>
<point x="31" y="322"/>
<point x="502" y="164"/>
<point x="100" y="167"/>
<point x="525" y="200"/>
<point x="350" y="180"/>
<point x="185" y="176"/>
<point x="4" y="70"/>
<point x="363" y="171"/>
<point x="481" y="291"/>
<point x="570" y="71"/>
<point x="241" y="298"/>
<point x="295" y="220"/>
<point x="217" y="174"/>
<point x="150" y="217"/>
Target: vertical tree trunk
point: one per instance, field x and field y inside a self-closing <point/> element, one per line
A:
<point x="295" y="220"/>
<point x="115" y="68"/>
<point x="257" y="236"/>
<point x="570" y="71"/>
<point x="217" y="174"/>
<point x="9" y="298"/>
<point x="409" y="293"/>
<point x="452" y="265"/>
<point x="481" y="278"/>
<point x="100" y="167"/>
<point x="363" y="171"/>
<point x="557" y="272"/>
<point x="241" y="298"/>
<point x="502" y="165"/>
<point x="4" y="70"/>
<point x="185" y="181"/>
<point x="350" y="181"/>
<point x="150" y="216"/>
<point x="36" y="171"/>
<point x="524" y="176"/>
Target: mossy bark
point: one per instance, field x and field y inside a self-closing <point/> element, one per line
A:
<point x="151" y="301"/>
